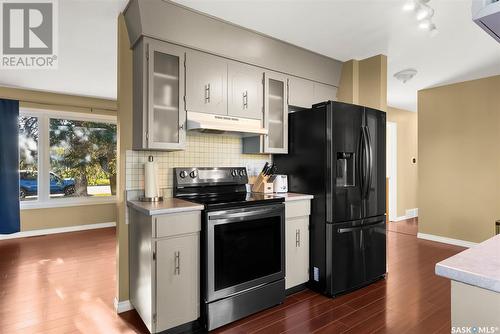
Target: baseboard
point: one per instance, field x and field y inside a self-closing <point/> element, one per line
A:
<point x="410" y="213"/>
<point x="445" y="240"/>
<point x="122" y="306"/>
<point x="35" y="233"/>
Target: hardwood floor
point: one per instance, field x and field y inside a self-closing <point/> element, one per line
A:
<point x="66" y="284"/>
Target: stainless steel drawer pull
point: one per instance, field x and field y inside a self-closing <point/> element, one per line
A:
<point x="245" y="99"/>
<point x="177" y="263"/>
<point x="297" y="238"/>
<point x="207" y="93"/>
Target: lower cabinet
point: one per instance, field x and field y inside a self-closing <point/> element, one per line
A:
<point x="164" y="268"/>
<point x="297" y="242"/>
<point x="177" y="280"/>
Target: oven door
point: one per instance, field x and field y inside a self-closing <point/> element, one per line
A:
<point x="245" y="248"/>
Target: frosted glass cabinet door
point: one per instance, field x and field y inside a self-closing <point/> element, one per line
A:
<point x="275" y="113"/>
<point x="165" y="97"/>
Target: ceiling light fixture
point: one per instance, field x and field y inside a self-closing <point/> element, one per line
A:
<point x="405" y="75"/>
<point x="423" y="13"/>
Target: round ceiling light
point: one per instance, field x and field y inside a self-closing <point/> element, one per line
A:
<point x="405" y="75"/>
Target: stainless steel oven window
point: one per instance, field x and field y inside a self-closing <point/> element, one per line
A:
<point x="259" y="216"/>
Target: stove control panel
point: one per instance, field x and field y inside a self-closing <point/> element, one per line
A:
<point x="196" y="176"/>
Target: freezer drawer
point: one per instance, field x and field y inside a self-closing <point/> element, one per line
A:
<point x="359" y="254"/>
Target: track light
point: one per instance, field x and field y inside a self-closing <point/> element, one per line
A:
<point x="425" y="24"/>
<point x="423" y="13"/>
<point x="410" y="6"/>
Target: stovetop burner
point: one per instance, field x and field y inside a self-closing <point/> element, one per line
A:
<point x="217" y="187"/>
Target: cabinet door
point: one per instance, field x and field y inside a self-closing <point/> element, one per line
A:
<point x="206" y="83"/>
<point x="245" y="91"/>
<point x="177" y="281"/>
<point x="297" y="251"/>
<point x="324" y="93"/>
<point x="300" y="92"/>
<point x="166" y="113"/>
<point x="275" y="113"/>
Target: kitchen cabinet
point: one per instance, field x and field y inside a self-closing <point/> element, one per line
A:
<point x="158" y="80"/>
<point x="206" y="83"/>
<point x="177" y="280"/>
<point x="297" y="242"/>
<point x="164" y="268"/>
<point x="324" y="93"/>
<point x="245" y="91"/>
<point x="304" y="93"/>
<point x="300" y="92"/>
<point x="275" y="118"/>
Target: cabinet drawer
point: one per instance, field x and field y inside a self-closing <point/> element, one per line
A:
<point x="297" y="209"/>
<point x="177" y="223"/>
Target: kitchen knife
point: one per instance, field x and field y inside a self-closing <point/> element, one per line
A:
<point x="264" y="170"/>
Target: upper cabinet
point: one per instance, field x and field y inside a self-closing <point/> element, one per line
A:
<point x="300" y="92"/>
<point x="275" y="118"/>
<point x="275" y="113"/>
<point x="159" y="113"/>
<point x="206" y="83"/>
<point x="324" y="93"/>
<point x="304" y="93"/>
<point x="245" y="91"/>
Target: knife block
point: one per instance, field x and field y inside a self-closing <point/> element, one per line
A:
<point x="262" y="185"/>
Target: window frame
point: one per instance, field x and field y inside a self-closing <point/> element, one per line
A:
<point x="43" y="200"/>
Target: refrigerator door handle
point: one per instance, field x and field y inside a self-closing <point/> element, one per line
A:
<point x="370" y="161"/>
<point x="364" y="163"/>
<point x="349" y="229"/>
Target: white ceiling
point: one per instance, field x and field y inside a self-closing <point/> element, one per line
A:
<point x="341" y="29"/>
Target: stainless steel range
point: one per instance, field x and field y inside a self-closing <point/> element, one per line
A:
<point x="242" y="250"/>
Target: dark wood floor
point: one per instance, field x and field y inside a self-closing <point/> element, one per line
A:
<point x="66" y="284"/>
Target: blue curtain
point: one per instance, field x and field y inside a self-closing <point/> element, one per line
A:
<point x="9" y="167"/>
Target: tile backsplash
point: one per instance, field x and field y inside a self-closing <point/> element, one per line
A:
<point x="202" y="150"/>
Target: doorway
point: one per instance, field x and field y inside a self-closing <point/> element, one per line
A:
<point x="392" y="168"/>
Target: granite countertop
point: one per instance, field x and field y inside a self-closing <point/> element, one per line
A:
<point x="293" y="196"/>
<point x="478" y="266"/>
<point x="168" y="205"/>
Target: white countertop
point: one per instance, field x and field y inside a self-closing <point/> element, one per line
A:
<point x="168" y="205"/>
<point x="173" y="205"/>
<point x="294" y="196"/>
<point x="478" y="266"/>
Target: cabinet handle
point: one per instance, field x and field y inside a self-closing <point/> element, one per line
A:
<point x="177" y="263"/>
<point x="207" y="93"/>
<point x="297" y="238"/>
<point x="181" y="127"/>
<point x="245" y="100"/>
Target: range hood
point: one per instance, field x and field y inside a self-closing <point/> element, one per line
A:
<point x="486" y="13"/>
<point x="224" y="124"/>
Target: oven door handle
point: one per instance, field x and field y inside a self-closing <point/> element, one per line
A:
<point x="230" y="216"/>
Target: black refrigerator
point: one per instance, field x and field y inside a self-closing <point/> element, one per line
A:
<point x="336" y="152"/>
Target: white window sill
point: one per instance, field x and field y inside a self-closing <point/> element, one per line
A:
<point x="67" y="202"/>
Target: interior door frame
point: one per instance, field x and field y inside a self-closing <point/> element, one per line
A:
<point x="392" y="169"/>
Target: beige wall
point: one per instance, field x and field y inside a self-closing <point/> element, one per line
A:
<point x="364" y="82"/>
<point x="125" y="143"/>
<point x="407" y="149"/>
<point x="33" y="219"/>
<point x="459" y="168"/>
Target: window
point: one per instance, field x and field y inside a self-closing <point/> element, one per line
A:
<point x="66" y="158"/>
<point x="28" y="158"/>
